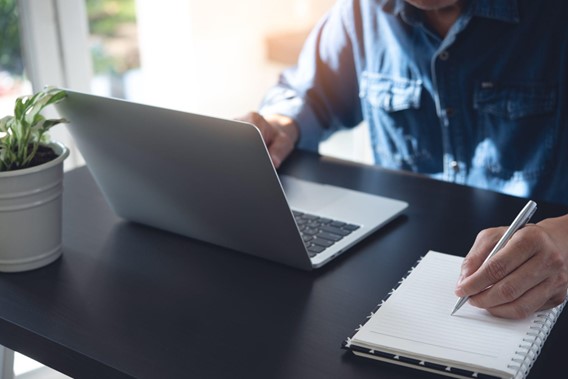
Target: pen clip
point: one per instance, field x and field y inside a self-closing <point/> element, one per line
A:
<point x="529" y="216"/>
<point x="531" y="206"/>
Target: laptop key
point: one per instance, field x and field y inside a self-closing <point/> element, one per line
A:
<point x="322" y="242"/>
<point x="306" y="216"/>
<point x="314" y="250"/>
<point x="334" y="230"/>
<point x="351" y="227"/>
<point x="314" y="224"/>
<point x="329" y="236"/>
<point x="310" y="231"/>
<point x="338" y="224"/>
<point x="319" y="233"/>
<point x="301" y="221"/>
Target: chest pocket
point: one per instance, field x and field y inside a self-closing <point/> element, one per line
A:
<point x="395" y="110"/>
<point x="514" y="102"/>
<point x="518" y="120"/>
<point x="390" y="94"/>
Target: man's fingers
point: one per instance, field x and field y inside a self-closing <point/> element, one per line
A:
<point x="529" y="274"/>
<point x="280" y="149"/>
<point x="515" y="253"/>
<point x="262" y="125"/>
<point x="515" y="285"/>
<point x="533" y="300"/>
<point x="277" y="154"/>
<point x="268" y="135"/>
<point x="483" y="244"/>
<point x="278" y="132"/>
<point x="523" y="306"/>
<point x="525" y="276"/>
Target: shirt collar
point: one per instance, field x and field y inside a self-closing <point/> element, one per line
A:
<point x="502" y="10"/>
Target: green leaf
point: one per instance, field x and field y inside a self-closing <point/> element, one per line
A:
<point x="21" y="134"/>
<point x="4" y="122"/>
<point x="35" y="108"/>
<point x="19" y="109"/>
<point x="17" y="129"/>
<point x="48" y="124"/>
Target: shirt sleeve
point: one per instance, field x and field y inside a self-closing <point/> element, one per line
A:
<point x="320" y="93"/>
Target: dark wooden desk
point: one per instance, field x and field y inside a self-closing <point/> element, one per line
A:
<point x="126" y="300"/>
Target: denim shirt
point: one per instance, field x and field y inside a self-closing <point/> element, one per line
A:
<point x="485" y="106"/>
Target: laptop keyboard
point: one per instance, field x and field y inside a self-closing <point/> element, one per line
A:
<point x="319" y="233"/>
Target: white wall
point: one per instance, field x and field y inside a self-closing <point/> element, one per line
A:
<point x="209" y="57"/>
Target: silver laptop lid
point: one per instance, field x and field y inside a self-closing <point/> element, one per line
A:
<point x="202" y="177"/>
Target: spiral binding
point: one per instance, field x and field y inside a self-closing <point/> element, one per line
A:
<point x="532" y="344"/>
<point x="524" y="357"/>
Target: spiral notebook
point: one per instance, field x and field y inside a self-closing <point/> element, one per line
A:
<point x="413" y="328"/>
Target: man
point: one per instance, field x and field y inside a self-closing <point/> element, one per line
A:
<point x="473" y="92"/>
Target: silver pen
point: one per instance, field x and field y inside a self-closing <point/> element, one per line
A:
<point x="521" y="220"/>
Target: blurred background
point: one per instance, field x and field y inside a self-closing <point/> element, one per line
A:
<point x="211" y="57"/>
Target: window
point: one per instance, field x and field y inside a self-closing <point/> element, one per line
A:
<point x="114" y="47"/>
<point x="13" y="81"/>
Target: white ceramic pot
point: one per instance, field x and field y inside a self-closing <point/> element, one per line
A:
<point x="30" y="214"/>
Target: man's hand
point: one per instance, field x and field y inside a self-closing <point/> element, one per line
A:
<point x="528" y="274"/>
<point x="280" y="134"/>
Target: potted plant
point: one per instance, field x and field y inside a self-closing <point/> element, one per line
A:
<point x="31" y="185"/>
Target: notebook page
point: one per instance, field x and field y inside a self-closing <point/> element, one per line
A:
<point x="415" y="321"/>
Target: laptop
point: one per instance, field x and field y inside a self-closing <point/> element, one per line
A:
<point x="212" y="179"/>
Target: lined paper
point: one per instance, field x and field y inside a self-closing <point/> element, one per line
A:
<point x="415" y="321"/>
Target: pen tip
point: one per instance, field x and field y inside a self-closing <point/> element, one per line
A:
<point x="461" y="301"/>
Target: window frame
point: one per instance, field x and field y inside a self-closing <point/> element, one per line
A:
<point x="55" y="46"/>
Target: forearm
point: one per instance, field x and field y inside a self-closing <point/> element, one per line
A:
<point x="321" y="92"/>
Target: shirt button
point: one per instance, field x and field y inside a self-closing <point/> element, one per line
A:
<point x="450" y="111"/>
<point x="454" y="165"/>
<point x="444" y="55"/>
